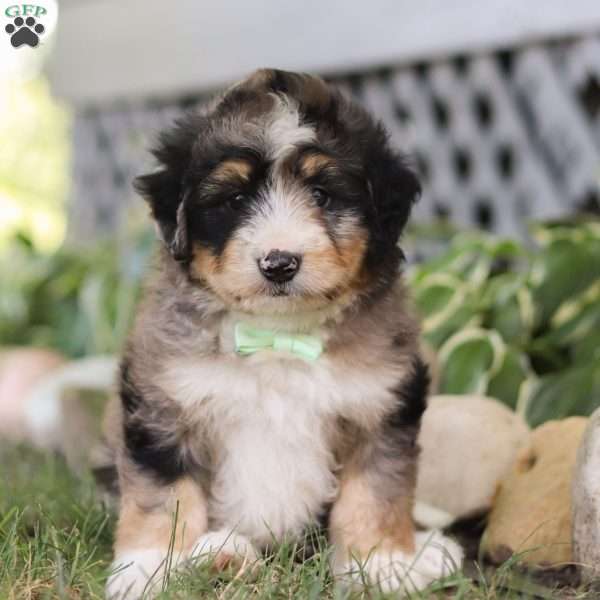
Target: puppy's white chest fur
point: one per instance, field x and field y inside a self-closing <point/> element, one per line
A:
<point x="270" y="418"/>
<point x="275" y="472"/>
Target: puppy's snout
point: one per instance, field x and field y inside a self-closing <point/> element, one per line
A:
<point x="279" y="266"/>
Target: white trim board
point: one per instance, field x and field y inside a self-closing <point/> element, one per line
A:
<point x="125" y="49"/>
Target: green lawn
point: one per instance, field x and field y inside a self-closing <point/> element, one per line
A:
<point x="56" y="533"/>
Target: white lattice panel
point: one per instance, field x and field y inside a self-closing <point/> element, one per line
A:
<point x="498" y="139"/>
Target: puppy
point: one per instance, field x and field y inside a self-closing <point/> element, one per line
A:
<point x="272" y="379"/>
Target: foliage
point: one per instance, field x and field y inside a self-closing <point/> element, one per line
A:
<point x="34" y="162"/>
<point x="521" y="324"/>
<point x="517" y="323"/>
<point x="79" y="302"/>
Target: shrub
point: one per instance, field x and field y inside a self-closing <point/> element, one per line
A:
<point x="518" y="323"/>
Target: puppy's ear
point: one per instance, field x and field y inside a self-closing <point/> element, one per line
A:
<point x="163" y="192"/>
<point x="164" y="189"/>
<point x="394" y="188"/>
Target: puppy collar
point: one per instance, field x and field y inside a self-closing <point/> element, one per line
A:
<point x="250" y="339"/>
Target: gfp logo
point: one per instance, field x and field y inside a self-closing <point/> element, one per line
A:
<point x="24" y="29"/>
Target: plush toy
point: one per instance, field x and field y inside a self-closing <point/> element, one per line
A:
<point x="52" y="404"/>
<point x="468" y="443"/>
<point x="21" y="370"/>
<point x="531" y="515"/>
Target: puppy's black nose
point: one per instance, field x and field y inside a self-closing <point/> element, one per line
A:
<point x="279" y="266"/>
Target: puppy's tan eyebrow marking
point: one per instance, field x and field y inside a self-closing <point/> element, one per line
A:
<point x="313" y="163"/>
<point x="232" y="169"/>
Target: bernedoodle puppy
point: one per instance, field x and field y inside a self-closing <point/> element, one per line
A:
<point x="272" y="380"/>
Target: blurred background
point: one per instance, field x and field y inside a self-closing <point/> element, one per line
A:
<point x="497" y="102"/>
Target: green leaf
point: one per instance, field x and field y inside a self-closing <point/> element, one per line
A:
<point x="446" y="305"/>
<point x="437" y="292"/>
<point x="510" y="307"/>
<point x="468" y="259"/>
<point x="574" y="391"/>
<point x="586" y="349"/>
<point x="464" y="317"/>
<point x="507" y="383"/>
<point x="469" y="359"/>
<point x="565" y="267"/>
<point x="576" y="319"/>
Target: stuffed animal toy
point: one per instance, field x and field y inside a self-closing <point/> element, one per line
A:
<point x="468" y="443"/>
<point x="21" y="371"/>
<point x="53" y="404"/>
<point x="531" y="515"/>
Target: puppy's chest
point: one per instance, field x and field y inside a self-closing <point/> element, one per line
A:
<point x="271" y="424"/>
<point x="264" y="397"/>
<point x="283" y="392"/>
<point x="275" y="468"/>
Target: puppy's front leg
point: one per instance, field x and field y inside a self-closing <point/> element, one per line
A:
<point x="371" y="523"/>
<point x="147" y="530"/>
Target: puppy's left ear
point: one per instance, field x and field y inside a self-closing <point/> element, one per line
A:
<point x="394" y="187"/>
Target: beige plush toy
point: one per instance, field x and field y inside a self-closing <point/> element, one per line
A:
<point x="468" y="443"/>
<point x="531" y="515"/>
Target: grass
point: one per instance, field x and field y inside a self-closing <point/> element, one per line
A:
<point x="56" y="535"/>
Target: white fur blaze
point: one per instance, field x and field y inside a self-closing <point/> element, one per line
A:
<point x="436" y="556"/>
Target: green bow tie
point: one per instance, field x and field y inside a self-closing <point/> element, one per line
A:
<point x="249" y="340"/>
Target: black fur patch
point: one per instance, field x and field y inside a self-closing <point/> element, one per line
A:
<point x="412" y="398"/>
<point x="146" y="447"/>
<point x="393" y="453"/>
<point x="152" y="454"/>
<point x="107" y="478"/>
<point x="213" y="214"/>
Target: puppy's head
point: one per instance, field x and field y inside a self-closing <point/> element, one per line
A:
<point x="281" y="197"/>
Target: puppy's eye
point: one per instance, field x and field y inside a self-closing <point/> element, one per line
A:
<point x="237" y="201"/>
<point x="321" y="197"/>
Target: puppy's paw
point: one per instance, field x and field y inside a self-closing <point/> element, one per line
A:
<point x="136" y="574"/>
<point x="225" y="549"/>
<point x="435" y="556"/>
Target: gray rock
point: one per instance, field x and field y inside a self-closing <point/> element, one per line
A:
<point x="586" y="502"/>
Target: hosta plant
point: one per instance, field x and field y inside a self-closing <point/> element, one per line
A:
<point x="517" y="322"/>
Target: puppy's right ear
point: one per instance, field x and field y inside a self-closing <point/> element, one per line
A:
<point x="164" y="189"/>
<point x="164" y="194"/>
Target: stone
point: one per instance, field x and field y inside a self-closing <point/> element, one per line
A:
<point x="468" y="443"/>
<point x="585" y="498"/>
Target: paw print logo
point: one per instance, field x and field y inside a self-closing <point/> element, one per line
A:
<point x="24" y="32"/>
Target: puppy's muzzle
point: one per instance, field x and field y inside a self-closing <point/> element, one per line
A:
<point x="279" y="266"/>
